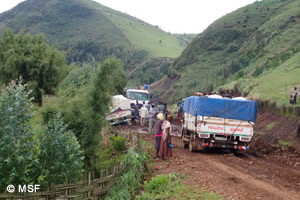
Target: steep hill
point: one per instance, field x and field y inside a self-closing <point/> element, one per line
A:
<point x="251" y="46"/>
<point x="91" y="31"/>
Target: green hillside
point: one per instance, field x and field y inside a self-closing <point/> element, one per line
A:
<point x="255" y="43"/>
<point x="91" y="32"/>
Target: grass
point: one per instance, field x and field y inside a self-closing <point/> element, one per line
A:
<point x="270" y="126"/>
<point x="285" y="143"/>
<point x="278" y="84"/>
<point x="144" y="36"/>
<point x="130" y="181"/>
<point x="171" y="187"/>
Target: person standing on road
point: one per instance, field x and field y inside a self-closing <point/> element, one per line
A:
<point x="295" y="94"/>
<point x="143" y="115"/>
<point x="158" y="132"/>
<point x="148" y="106"/>
<point x="166" y="111"/>
<point x="161" y="107"/>
<point x="152" y="115"/>
<point x="146" y="86"/>
<point x="165" y="145"/>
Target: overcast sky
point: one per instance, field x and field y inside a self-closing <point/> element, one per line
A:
<point x="175" y="16"/>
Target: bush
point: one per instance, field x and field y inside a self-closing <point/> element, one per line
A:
<point x="118" y="143"/>
<point x="131" y="180"/>
<point x="171" y="187"/>
<point x="158" y="184"/>
<point x="109" y="156"/>
<point x="60" y="155"/>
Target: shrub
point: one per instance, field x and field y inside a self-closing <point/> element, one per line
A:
<point x="158" y="184"/>
<point x="118" y="143"/>
<point x="130" y="181"/>
<point x="61" y="158"/>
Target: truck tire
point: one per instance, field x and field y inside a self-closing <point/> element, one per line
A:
<point x="185" y="145"/>
<point x="192" y="147"/>
<point x="238" y="152"/>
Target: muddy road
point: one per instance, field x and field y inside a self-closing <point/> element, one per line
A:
<point x="251" y="176"/>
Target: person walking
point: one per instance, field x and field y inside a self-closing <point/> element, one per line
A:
<point x="165" y="145"/>
<point x="143" y="115"/>
<point x="158" y="132"/>
<point x="152" y="115"/>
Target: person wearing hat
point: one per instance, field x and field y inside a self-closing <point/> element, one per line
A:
<point x="165" y="145"/>
<point x="158" y="132"/>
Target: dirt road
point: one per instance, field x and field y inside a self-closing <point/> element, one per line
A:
<point x="251" y="176"/>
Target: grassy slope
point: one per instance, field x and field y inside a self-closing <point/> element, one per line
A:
<point x="243" y="44"/>
<point x="279" y="67"/>
<point x="276" y="84"/>
<point x="144" y="36"/>
<point x="62" y="21"/>
<point x="91" y="31"/>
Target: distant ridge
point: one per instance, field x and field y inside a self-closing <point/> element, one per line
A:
<point x="91" y="32"/>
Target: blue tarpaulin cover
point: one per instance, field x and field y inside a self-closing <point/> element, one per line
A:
<point x="223" y="108"/>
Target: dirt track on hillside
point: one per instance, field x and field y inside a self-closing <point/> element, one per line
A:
<point x="252" y="176"/>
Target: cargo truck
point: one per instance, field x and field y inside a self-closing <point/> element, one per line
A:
<point x="120" y="111"/>
<point x="218" y="123"/>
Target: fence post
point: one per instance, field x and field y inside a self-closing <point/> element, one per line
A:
<point x="89" y="184"/>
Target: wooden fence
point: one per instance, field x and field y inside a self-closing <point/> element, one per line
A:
<point x="88" y="189"/>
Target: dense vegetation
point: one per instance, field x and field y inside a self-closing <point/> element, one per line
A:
<point x="251" y="46"/>
<point x="84" y="100"/>
<point x="40" y="65"/>
<point x="49" y="156"/>
<point x="52" y="143"/>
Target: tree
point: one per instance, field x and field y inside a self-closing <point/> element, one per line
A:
<point x="18" y="154"/>
<point x="40" y="65"/>
<point x="108" y="80"/>
<point x="60" y="155"/>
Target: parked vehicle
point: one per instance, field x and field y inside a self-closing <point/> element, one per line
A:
<point x="137" y="96"/>
<point x="218" y="123"/>
<point x="120" y="111"/>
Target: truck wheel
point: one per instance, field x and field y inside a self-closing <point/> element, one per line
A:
<point x="192" y="147"/>
<point x="185" y="145"/>
<point x="238" y="152"/>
